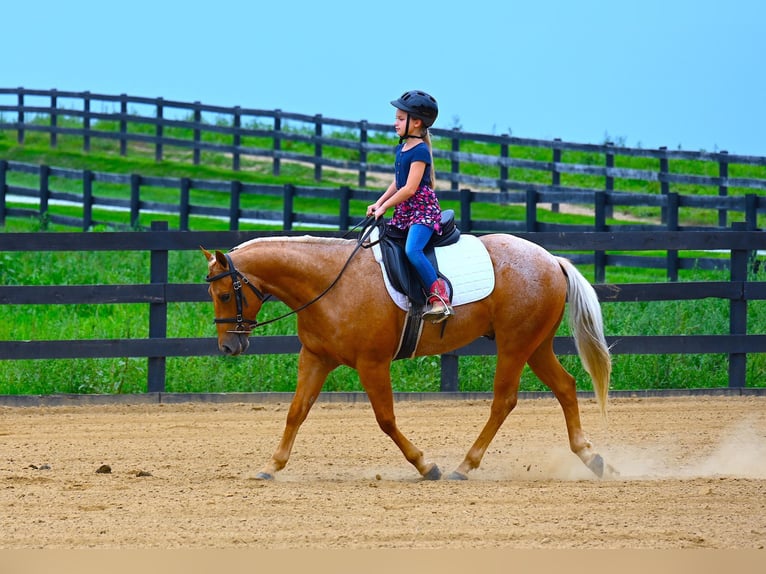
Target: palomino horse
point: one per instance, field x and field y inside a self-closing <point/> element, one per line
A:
<point x="356" y="323"/>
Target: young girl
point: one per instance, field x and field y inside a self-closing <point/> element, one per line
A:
<point x="416" y="208"/>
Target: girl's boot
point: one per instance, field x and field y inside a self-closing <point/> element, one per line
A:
<point x="438" y="308"/>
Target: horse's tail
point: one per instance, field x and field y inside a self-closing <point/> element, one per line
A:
<point x="587" y="326"/>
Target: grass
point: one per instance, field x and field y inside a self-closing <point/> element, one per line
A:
<point x="278" y="372"/>
<point x="104" y="156"/>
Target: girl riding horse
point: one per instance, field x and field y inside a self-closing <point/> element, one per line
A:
<point x="411" y="194"/>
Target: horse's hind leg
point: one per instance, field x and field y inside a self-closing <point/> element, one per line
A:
<point x="376" y="380"/>
<point x="548" y="369"/>
<point x="312" y="373"/>
<point x="505" y="396"/>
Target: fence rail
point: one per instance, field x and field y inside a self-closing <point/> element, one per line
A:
<point x="737" y="344"/>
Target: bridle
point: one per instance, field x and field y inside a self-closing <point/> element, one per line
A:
<point x="245" y="326"/>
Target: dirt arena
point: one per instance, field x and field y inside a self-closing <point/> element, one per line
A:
<point x="693" y="475"/>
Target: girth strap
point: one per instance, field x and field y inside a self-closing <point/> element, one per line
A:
<point x="413" y="329"/>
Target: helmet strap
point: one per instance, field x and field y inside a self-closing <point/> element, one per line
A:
<point x="406" y="132"/>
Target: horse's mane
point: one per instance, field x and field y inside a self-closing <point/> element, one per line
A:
<point x="306" y="239"/>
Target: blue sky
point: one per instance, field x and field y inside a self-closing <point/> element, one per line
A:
<point x="679" y="73"/>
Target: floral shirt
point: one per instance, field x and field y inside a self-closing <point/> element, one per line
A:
<point x="423" y="207"/>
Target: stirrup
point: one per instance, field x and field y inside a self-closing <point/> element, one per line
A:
<point x="438" y="315"/>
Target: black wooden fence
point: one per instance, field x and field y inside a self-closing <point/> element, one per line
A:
<point x="463" y="159"/>
<point x="157" y="294"/>
<point x="748" y="207"/>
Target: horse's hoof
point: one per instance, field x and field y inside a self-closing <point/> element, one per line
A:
<point x="455" y="475"/>
<point x="263" y="476"/>
<point x="610" y="472"/>
<point x="596" y="465"/>
<point x="433" y="473"/>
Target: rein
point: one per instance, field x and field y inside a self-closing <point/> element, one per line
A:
<point x="246" y="326"/>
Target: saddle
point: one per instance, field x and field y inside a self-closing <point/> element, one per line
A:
<point x="401" y="274"/>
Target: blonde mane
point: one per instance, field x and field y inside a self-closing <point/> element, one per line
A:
<point x="308" y="239"/>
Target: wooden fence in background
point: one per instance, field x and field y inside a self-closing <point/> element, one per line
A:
<point x="281" y="136"/>
<point x="234" y="192"/>
<point x="157" y="294"/>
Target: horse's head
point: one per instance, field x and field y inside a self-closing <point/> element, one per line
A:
<point x="235" y="313"/>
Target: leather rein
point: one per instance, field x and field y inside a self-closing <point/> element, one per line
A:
<point x="238" y="279"/>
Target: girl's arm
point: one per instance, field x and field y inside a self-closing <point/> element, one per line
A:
<point x="371" y="209"/>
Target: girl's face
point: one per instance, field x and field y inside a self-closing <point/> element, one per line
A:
<point x="400" y="124"/>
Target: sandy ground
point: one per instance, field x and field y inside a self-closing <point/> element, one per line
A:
<point x="693" y="475"/>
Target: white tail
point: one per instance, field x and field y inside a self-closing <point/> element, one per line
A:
<point x="587" y="326"/>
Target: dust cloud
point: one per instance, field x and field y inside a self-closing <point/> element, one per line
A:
<point x="740" y="453"/>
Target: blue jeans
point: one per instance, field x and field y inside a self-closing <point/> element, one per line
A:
<point x="417" y="238"/>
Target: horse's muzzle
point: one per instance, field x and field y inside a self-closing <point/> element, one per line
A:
<point x="234" y="343"/>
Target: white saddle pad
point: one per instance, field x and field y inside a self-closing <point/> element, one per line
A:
<point x="466" y="264"/>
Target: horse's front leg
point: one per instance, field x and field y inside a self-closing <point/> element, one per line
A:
<point x="376" y="380"/>
<point x="312" y="373"/>
<point x="506" y="390"/>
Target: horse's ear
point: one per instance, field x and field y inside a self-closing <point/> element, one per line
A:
<point x="221" y="258"/>
<point x="207" y="253"/>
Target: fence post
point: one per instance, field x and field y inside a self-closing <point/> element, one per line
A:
<point x="86" y="121"/>
<point x="609" y="179"/>
<point x="672" y="225"/>
<point x="237" y="138"/>
<point x="723" y="187"/>
<point x="363" y="135"/>
<point x="664" y="185"/>
<point x="123" y="124"/>
<point x="465" y="211"/>
<point x="738" y="312"/>
<point x="287" y="207"/>
<point x="20" y="117"/>
<point x="599" y="257"/>
<point x="197" y="131"/>
<point x="159" y="131"/>
<point x="87" y="199"/>
<point x="277" y="141"/>
<point x="531" y="210"/>
<point x="455" y="162"/>
<point x="3" y="189"/>
<point x="236" y="191"/>
<point x="45" y="191"/>
<point x="184" y="208"/>
<point x="317" y="147"/>
<point x="158" y="314"/>
<point x="54" y="119"/>
<point x="555" y="173"/>
<point x="751" y="211"/>
<point x="345" y="208"/>
<point x="503" y="166"/>
<point x="449" y="373"/>
<point x="135" y="199"/>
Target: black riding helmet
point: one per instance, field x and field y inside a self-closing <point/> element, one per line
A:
<point x="418" y="105"/>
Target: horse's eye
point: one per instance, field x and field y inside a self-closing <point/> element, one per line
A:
<point x="225" y="298"/>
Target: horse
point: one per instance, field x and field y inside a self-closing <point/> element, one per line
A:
<point x="345" y="316"/>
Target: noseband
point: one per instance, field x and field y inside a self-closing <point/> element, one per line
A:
<point x="243" y="326"/>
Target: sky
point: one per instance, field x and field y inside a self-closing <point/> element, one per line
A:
<point x="678" y="73"/>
